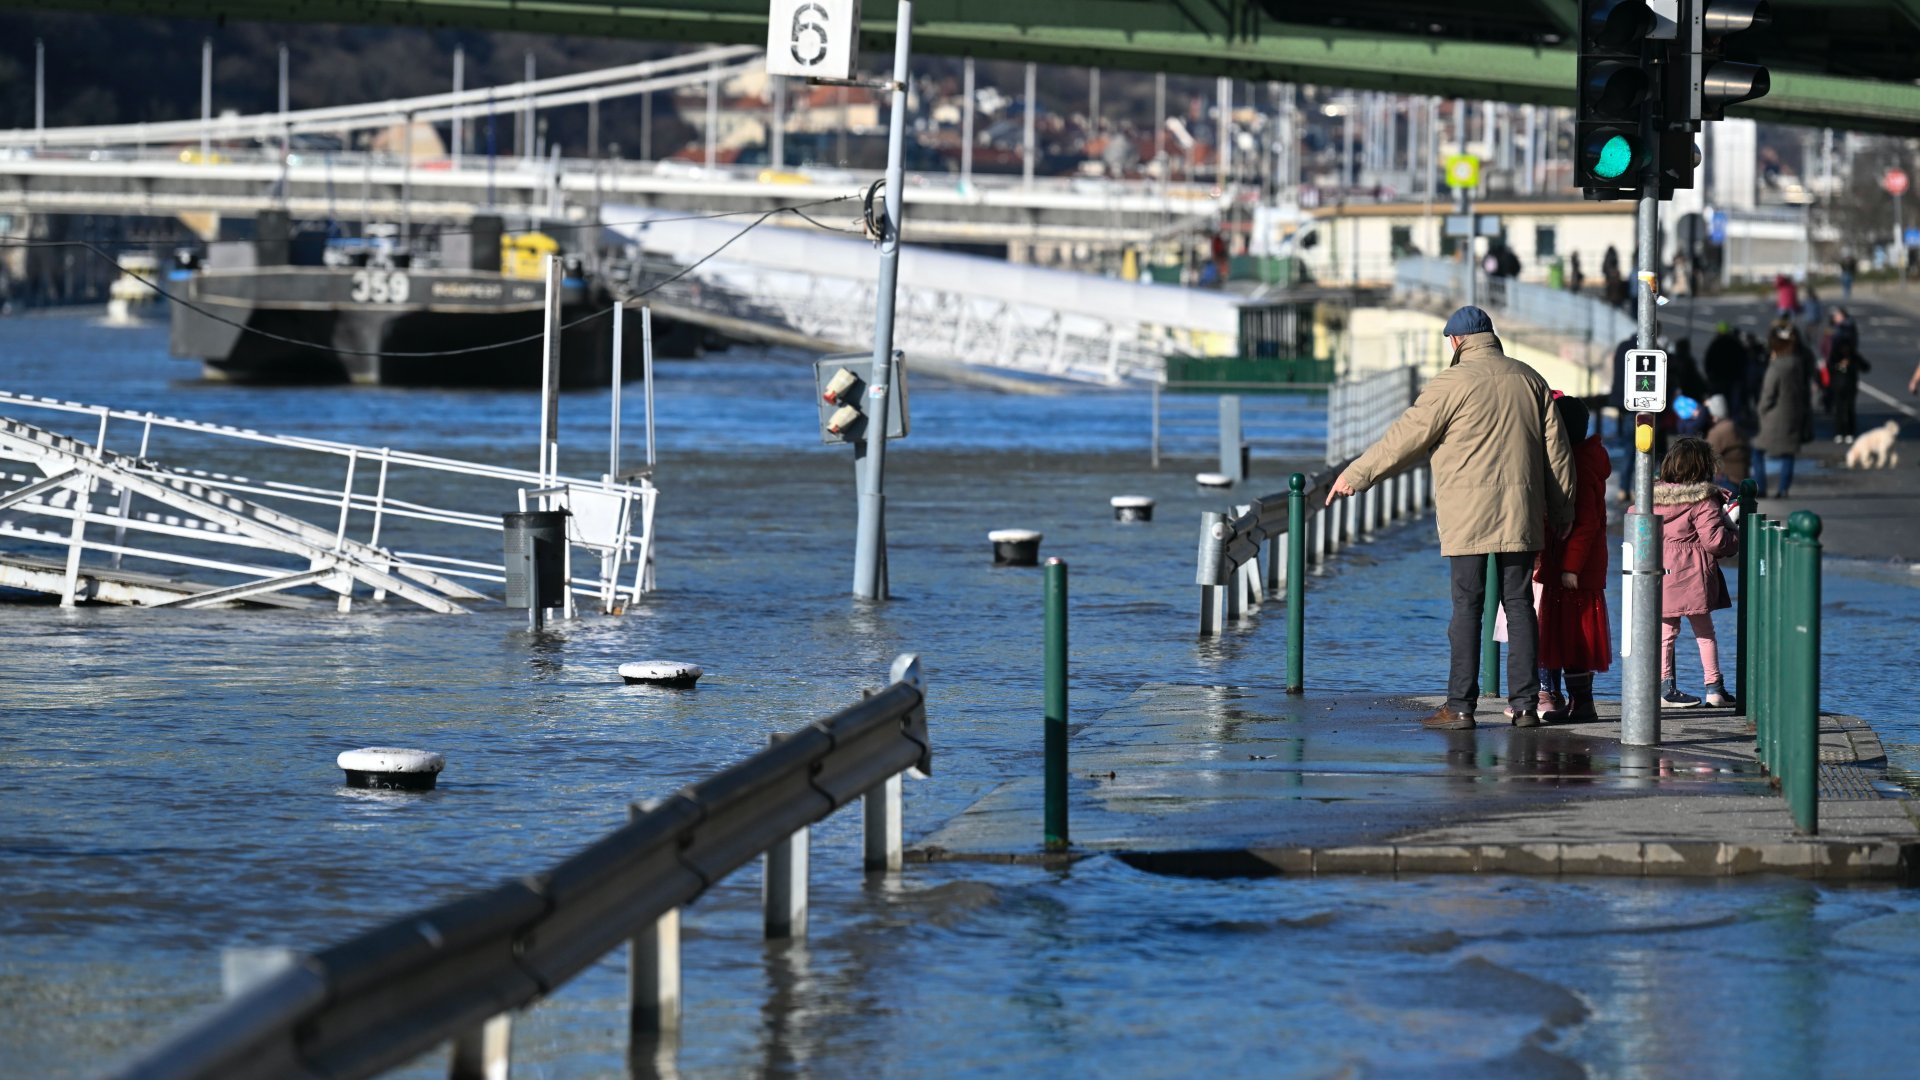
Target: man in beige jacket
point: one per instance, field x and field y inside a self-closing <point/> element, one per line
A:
<point x="1502" y="475"/>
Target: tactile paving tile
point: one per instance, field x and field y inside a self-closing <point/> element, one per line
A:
<point x="1841" y="782"/>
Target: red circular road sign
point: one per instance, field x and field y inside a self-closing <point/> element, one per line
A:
<point x="1895" y="182"/>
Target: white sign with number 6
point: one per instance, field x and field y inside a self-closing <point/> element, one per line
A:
<point x="818" y="39"/>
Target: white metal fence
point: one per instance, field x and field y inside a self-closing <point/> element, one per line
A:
<point x="397" y="523"/>
<point x="1557" y="311"/>
<point x="1360" y="408"/>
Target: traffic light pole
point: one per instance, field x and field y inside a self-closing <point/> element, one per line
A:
<point x="870" y="540"/>
<point x="1640" y="681"/>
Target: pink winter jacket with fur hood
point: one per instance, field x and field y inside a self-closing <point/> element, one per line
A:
<point x="1694" y="536"/>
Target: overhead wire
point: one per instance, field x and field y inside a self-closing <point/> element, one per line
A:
<point x="763" y="218"/>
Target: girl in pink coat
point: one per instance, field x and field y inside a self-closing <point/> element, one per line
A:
<point x="1695" y="535"/>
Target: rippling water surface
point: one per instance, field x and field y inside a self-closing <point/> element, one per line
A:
<point x="167" y="785"/>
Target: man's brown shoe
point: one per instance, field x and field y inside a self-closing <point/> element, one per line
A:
<point x="1446" y="718"/>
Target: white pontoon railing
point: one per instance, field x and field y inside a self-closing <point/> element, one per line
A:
<point x="380" y="529"/>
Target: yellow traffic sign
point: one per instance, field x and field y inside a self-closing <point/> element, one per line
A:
<point x="1463" y="171"/>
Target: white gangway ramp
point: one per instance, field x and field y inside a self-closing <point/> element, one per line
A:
<point x="953" y="308"/>
<point x="164" y="522"/>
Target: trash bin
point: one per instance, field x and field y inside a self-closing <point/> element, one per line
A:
<point x="1556" y="274"/>
<point x="536" y="557"/>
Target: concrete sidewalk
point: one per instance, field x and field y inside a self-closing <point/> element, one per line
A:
<point x="1215" y="781"/>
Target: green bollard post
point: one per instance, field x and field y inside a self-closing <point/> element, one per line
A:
<point x="1742" y="621"/>
<point x="1056" y="704"/>
<point x="1296" y="583"/>
<point x="1489" y="648"/>
<point x="1803" y="670"/>
<point x="1770" y="620"/>
<point x="1765" y="615"/>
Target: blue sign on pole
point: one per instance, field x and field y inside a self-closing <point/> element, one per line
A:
<point x="1913" y="237"/>
<point x="1717" y="227"/>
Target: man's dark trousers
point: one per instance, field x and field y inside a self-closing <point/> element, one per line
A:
<point x="1523" y="629"/>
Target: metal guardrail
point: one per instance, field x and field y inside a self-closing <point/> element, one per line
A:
<point x="1779" y="658"/>
<point x="1358" y="412"/>
<point x="1554" y="310"/>
<point x="452" y="972"/>
<point x="1232" y="584"/>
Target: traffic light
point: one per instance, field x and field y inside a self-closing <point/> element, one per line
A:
<point x="1610" y="141"/>
<point x="1708" y="81"/>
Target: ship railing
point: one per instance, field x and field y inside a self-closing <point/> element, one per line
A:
<point x="377" y="500"/>
<point x="456" y="973"/>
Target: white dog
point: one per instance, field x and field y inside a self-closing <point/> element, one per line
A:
<point x="1874" y="450"/>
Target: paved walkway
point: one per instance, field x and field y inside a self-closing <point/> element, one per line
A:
<point x="1212" y="780"/>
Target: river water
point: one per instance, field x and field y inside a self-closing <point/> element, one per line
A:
<point x="167" y="785"/>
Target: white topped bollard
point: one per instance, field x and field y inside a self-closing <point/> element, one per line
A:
<point x="1213" y="480"/>
<point x="1131" y="508"/>
<point x="1015" y="547"/>
<point x="391" y="768"/>
<point x="673" y="673"/>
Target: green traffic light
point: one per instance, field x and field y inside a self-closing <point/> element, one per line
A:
<point x="1616" y="154"/>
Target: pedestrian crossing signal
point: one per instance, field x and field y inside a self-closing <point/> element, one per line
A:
<point x="1647" y="389"/>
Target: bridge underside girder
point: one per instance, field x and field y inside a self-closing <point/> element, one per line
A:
<point x="1843" y="63"/>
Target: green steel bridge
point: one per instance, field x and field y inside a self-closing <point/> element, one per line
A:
<point x="1849" y="64"/>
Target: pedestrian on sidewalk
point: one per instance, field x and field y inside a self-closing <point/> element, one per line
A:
<point x="1726" y="366"/>
<point x="1845" y="365"/>
<point x="1786" y="296"/>
<point x="1502" y="477"/>
<point x="1572" y="576"/>
<point x="1731" y="452"/>
<point x="1786" y="407"/>
<point x="1694" y="537"/>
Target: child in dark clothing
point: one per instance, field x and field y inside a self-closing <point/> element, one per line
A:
<point x="1572" y="573"/>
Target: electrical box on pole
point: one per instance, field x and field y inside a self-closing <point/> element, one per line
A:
<point x="1611" y="141"/>
<point x="1678" y="158"/>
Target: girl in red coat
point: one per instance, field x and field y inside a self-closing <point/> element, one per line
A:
<point x="1572" y="574"/>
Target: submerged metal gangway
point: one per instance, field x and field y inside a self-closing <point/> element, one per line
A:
<point x="90" y="523"/>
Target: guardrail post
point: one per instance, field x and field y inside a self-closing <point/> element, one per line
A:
<point x="1213" y="594"/>
<point x="1279" y="555"/>
<point x="1742" y="618"/>
<point x="881" y="807"/>
<point x="783" y="882"/>
<point x="653" y="970"/>
<point x="1368" y="504"/>
<point x="1802" y="664"/>
<point x="1489" y="648"/>
<point x="1056" y="704"/>
<point x="1317" y="541"/>
<point x="1296" y="584"/>
<point x="485" y="1053"/>
<point x="1336" y="527"/>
